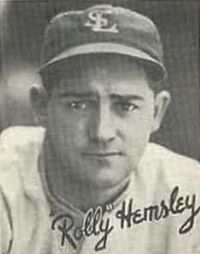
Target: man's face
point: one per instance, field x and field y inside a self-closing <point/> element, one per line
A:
<point x="99" y="119"/>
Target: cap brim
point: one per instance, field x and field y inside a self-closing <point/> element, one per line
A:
<point x="105" y="47"/>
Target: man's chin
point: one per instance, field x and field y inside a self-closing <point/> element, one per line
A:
<point x="106" y="179"/>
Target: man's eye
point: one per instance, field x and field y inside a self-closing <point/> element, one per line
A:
<point x="81" y="104"/>
<point x="77" y="105"/>
<point x="126" y="106"/>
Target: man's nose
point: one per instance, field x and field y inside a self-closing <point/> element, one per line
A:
<point x="102" y="128"/>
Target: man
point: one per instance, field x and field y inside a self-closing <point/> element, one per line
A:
<point x="88" y="179"/>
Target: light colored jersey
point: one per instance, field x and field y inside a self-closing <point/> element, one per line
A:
<point x="158" y="212"/>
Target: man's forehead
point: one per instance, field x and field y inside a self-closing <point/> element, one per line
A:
<point x="102" y="85"/>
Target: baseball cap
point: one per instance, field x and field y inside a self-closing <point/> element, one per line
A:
<point x="103" y="29"/>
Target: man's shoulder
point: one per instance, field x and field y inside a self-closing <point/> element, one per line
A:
<point x="170" y="167"/>
<point x="19" y="150"/>
<point x="16" y="143"/>
<point x="160" y="155"/>
<point x="21" y="136"/>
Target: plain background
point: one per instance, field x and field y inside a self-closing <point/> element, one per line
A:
<point x="22" y="28"/>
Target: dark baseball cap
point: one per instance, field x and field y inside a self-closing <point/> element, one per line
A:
<point x="103" y="29"/>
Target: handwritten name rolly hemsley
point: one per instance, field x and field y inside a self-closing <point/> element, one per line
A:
<point x="95" y="224"/>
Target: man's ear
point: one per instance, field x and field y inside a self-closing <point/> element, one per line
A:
<point x="39" y="101"/>
<point x="162" y="101"/>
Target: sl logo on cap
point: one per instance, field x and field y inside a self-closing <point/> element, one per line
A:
<point x="100" y="23"/>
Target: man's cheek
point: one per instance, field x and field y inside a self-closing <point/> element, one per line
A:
<point x="75" y="135"/>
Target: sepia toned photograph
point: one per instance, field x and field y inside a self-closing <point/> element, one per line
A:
<point x="99" y="127"/>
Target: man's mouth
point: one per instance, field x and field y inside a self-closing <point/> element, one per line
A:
<point x="102" y="154"/>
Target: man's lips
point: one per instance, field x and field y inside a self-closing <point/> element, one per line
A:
<point x="102" y="154"/>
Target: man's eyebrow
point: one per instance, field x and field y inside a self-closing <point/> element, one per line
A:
<point x="76" y="94"/>
<point x="127" y="97"/>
